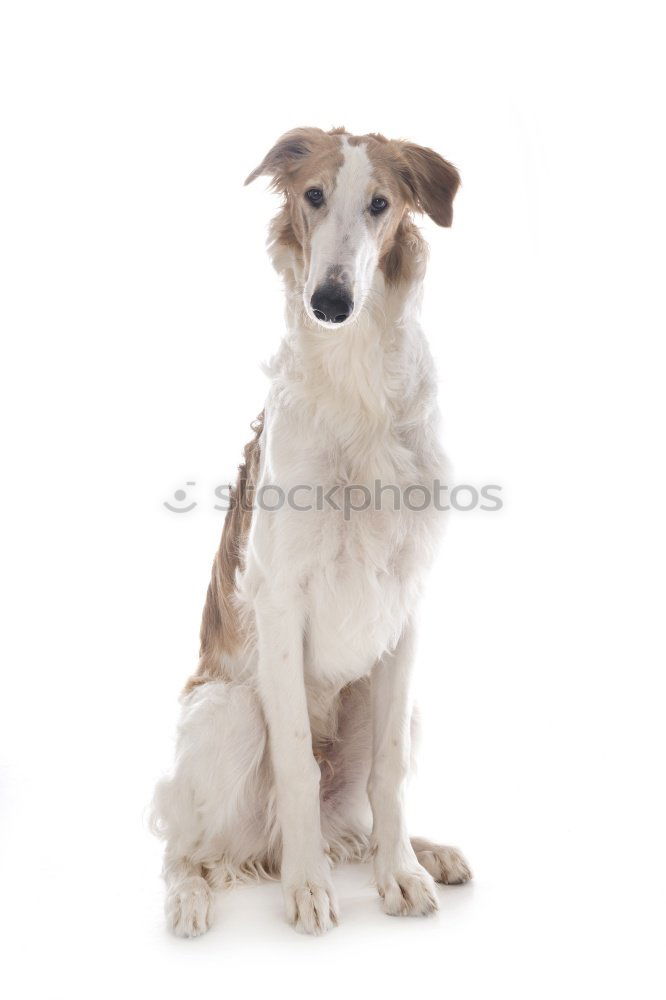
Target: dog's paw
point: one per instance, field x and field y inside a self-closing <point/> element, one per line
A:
<point x="310" y="906"/>
<point x="445" y="864"/>
<point x="189" y="907"/>
<point x="408" y="893"/>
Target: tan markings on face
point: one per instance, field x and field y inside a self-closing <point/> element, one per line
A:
<point x="340" y="240"/>
<point x="396" y="239"/>
<point x="345" y="238"/>
<point x="318" y="170"/>
<point x="400" y="241"/>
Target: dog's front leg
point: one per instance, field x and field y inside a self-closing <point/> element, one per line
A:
<point x="308" y="894"/>
<point x="404" y="885"/>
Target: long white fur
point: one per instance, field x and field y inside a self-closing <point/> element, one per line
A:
<point x="329" y="605"/>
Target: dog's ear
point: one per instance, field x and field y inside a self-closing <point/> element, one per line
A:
<point x="431" y="180"/>
<point x="286" y="153"/>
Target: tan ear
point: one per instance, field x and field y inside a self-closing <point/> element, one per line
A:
<point x="286" y="153"/>
<point x="432" y="181"/>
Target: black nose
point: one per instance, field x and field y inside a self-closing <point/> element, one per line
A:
<point x="331" y="305"/>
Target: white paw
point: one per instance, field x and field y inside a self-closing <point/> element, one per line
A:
<point x="189" y="907"/>
<point x="445" y="864"/>
<point x="310" y="906"/>
<point x="408" y="893"/>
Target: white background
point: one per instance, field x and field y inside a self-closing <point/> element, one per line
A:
<point x="137" y="303"/>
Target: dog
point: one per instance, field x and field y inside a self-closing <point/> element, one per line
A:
<point x="295" y="738"/>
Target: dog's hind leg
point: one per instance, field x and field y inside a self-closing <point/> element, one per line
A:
<point x="215" y="807"/>
<point x="345" y="765"/>
<point x="189" y="900"/>
<point x="445" y="864"/>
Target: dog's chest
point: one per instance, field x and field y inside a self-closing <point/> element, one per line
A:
<point x="363" y="551"/>
<point x="356" y="596"/>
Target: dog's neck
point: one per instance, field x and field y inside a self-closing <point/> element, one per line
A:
<point x="362" y="384"/>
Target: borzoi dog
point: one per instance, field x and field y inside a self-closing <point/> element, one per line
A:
<point x="295" y="739"/>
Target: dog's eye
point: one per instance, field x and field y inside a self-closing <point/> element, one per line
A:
<point x="315" y="196"/>
<point x="377" y="205"/>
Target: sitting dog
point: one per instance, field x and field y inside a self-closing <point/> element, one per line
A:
<point x="295" y="739"/>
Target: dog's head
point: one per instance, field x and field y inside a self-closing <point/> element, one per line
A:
<point x="346" y="211"/>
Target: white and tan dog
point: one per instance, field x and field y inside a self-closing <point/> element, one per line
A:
<point x="294" y="744"/>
